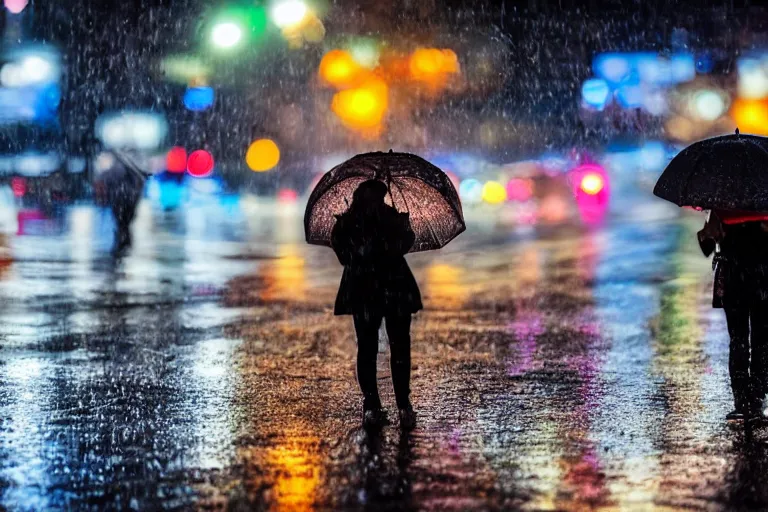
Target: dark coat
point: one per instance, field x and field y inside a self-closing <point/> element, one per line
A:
<point x="741" y="265"/>
<point x="376" y="279"/>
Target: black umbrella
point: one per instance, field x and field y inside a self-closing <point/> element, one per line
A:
<point x="729" y="173"/>
<point x="415" y="186"/>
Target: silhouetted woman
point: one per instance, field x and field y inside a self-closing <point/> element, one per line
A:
<point x="370" y="240"/>
<point x="741" y="289"/>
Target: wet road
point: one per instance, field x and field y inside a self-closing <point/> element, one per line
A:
<point x="558" y="369"/>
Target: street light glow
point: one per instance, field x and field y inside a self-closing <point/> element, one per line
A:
<point x="289" y="13"/>
<point x="226" y="34"/>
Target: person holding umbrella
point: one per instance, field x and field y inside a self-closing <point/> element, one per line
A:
<point x="740" y="243"/>
<point x="729" y="176"/>
<point x="348" y="211"/>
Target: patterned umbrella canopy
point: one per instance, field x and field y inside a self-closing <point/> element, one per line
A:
<point x="415" y="186"/>
<point x="728" y="173"/>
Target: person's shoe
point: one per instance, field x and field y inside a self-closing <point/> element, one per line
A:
<point x="374" y="418"/>
<point x="735" y="415"/>
<point x="407" y="418"/>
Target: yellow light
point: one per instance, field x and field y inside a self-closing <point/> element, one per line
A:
<point x="363" y="107"/>
<point x="339" y="69"/>
<point x="262" y="155"/>
<point x="592" y="184"/>
<point x="494" y="192"/>
<point x="751" y="116"/>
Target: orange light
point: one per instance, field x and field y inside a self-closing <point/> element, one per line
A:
<point x="262" y="155"/>
<point x="339" y="69"/>
<point x="433" y="66"/>
<point x="592" y="183"/>
<point x="751" y="116"/>
<point x="362" y="108"/>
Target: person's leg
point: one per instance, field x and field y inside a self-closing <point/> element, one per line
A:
<point x="758" y="368"/>
<point x="399" y="332"/>
<point x="367" y="329"/>
<point x="738" y="361"/>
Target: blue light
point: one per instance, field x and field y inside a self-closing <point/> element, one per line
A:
<point x="198" y="99"/>
<point x="595" y="93"/>
<point x="704" y="63"/>
<point x="630" y="96"/>
<point x="683" y="67"/>
<point x="471" y="191"/>
<point x="612" y="67"/>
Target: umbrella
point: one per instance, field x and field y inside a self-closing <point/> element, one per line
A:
<point x="728" y="173"/>
<point x="415" y="186"/>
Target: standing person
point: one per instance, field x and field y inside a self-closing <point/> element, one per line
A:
<point x="740" y="243"/>
<point x="370" y="240"/>
<point x="123" y="187"/>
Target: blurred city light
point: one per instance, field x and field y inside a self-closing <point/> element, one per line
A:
<point x="708" y="105"/>
<point x="288" y="13"/>
<point x="138" y="130"/>
<point x="595" y="92"/>
<point x="30" y="69"/>
<point x="339" y="69"/>
<point x="519" y="189"/>
<point x="19" y="186"/>
<point x="751" y="116"/>
<point x="15" y="6"/>
<point x="433" y="66"/>
<point x="176" y="160"/>
<point x="494" y="192"/>
<point x="287" y="195"/>
<point x="200" y="163"/>
<point x="753" y="80"/>
<point x="471" y="191"/>
<point x="592" y="183"/>
<point x="364" y="107"/>
<point x="262" y="155"/>
<point x="365" y="51"/>
<point x="198" y="99"/>
<point x="612" y="67"/>
<point x="184" y="68"/>
<point x="630" y="96"/>
<point x="226" y="34"/>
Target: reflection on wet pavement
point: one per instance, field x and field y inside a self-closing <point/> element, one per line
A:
<point x="565" y="371"/>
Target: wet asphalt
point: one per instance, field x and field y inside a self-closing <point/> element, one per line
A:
<point x="557" y="368"/>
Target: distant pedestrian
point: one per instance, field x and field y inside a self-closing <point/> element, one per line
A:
<point x="370" y="240"/>
<point x="740" y="243"/>
<point x="123" y="186"/>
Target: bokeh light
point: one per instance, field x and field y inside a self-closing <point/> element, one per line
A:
<point x="363" y="107"/>
<point x="592" y="183"/>
<point x="200" y="163"/>
<point x="708" y="105"/>
<point x="471" y="191"/>
<point x="262" y="155"/>
<point x="15" y="6"/>
<point x="494" y="192"/>
<point x="519" y="189"/>
<point x="433" y="66"/>
<point x="751" y="116"/>
<point x="339" y="69"/>
<point x="289" y="13"/>
<point x="226" y="34"/>
<point x="595" y="93"/>
<point x="198" y="99"/>
<point x="287" y="195"/>
<point x="176" y="160"/>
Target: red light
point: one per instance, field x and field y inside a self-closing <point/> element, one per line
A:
<point x="200" y="163"/>
<point x="592" y="183"/>
<point x="287" y="195"/>
<point x="519" y="189"/>
<point x="19" y="186"/>
<point x="176" y="160"/>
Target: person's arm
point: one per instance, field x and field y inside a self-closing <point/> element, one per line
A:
<point x="340" y="242"/>
<point x="711" y="235"/>
<point x="408" y="237"/>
